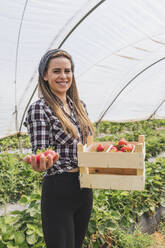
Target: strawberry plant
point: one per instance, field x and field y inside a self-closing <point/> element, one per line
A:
<point x="115" y="214"/>
<point x="22" y="229"/>
<point x="13" y="142"/>
<point x="16" y="177"/>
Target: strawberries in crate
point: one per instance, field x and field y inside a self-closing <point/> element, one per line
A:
<point x="124" y="146"/>
<point x="121" y="146"/>
<point x="112" y="165"/>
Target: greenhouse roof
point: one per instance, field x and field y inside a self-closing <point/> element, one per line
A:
<point x="118" y="48"/>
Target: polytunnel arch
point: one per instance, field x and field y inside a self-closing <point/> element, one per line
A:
<point x="66" y="36"/>
<point x="126" y="85"/>
<point x="16" y="63"/>
<point x="59" y="46"/>
<point x="125" y="29"/>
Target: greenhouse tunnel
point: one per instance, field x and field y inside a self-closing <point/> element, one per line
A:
<point x="118" y="48"/>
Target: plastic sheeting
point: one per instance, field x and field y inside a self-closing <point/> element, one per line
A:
<point x="118" y="48"/>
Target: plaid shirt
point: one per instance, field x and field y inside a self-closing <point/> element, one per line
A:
<point x="45" y="130"/>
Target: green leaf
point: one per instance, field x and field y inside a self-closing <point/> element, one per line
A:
<point x="125" y="193"/>
<point x="101" y="228"/>
<point x="35" y="197"/>
<point x="32" y="227"/>
<point x="92" y="227"/>
<point x="10" y="219"/>
<point x="111" y="226"/>
<point x="32" y="239"/>
<point x="16" y="212"/>
<point x="19" y="238"/>
<point x="6" y="236"/>
<point x="10" y="245"/>
<point x="33" y="212"/>
<point x="39" y="232"/>
<point x="23" y="200"/>
<point x="25" y="245"/>
<point x="29" y="232"/>
<point x="115" y="214"/>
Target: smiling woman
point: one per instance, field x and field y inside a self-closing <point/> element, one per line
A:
<point x="59" y="120"/>
<point x="56" y="85"/>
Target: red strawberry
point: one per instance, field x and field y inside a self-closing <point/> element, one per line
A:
<point x="53" y="153"/>
<point x="38" y="157"/>
<point x="122" y="142"/>
<point x="113" y="149"/>
<point x="100" y="148"/>
<point x="127" y="148"/>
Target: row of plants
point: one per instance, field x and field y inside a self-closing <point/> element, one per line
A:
<point x="114" y="217"/>
<point x="143" y="127"/>
<point x="14" y="142"/>
<point x="23" y="229"/>
<point x="111" y="131"/>
<point x="17" y="179"/>
<point x="115" y="213"/>
<point x="13" y="167"/>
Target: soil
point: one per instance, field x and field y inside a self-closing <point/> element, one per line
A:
<point x="159" y="239"/>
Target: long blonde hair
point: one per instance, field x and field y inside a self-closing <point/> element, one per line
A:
<point x="86" y="125"/>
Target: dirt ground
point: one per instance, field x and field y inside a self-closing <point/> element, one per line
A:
<point x="159" y="240"/>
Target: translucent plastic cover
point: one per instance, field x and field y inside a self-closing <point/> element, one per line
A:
<point x="118" y="48"/>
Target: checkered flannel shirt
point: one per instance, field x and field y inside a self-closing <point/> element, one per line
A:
<point x="45" y="130"/>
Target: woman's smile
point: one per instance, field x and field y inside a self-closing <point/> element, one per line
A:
<point x="62" y="83"/>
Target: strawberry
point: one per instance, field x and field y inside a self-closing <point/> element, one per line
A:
<point x="124" y="149"/>
<point x="122" y="142"/>
<point x="127" y="148"/>
<point x="100" y="148"/>
<point x="113" y="149"/>
<point x="38" y="157"/>
<point x="53" y="153"/>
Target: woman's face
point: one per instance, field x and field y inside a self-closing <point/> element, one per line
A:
<point x="59" y="75"/>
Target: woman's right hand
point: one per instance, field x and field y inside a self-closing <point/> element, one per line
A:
<point x="44" y="164"/>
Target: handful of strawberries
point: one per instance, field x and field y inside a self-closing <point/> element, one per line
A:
<point x="43" y="160"/>
<point x="54" y="155"/>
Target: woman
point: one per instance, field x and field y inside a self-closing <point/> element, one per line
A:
<point x="59" y="120"/>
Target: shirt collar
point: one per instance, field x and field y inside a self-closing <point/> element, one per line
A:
<point x="61" y="103"/>
<point x="69" y="100"/>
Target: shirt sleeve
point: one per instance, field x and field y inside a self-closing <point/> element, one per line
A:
<point x="38" y="127"/>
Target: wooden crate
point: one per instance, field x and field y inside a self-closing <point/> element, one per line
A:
<point x="112" y="170"/>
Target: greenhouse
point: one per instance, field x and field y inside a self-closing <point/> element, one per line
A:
<point x="118" y="50"/>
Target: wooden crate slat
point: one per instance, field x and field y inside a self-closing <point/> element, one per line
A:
<point x="112" y="171"/>
<point x="111" y="160"/>
<point x="112" y="182"/>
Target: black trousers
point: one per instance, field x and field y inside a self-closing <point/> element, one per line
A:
<point x="65" y="210"/>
